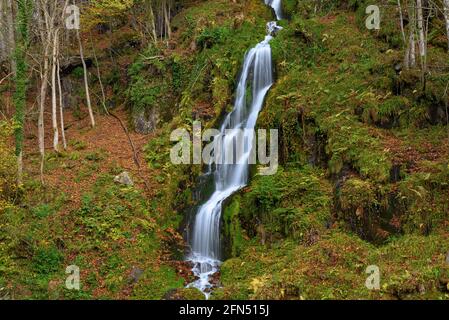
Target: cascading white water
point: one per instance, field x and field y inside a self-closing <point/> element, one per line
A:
<point x="257" y="75"/>
<point x="277" y="6"/>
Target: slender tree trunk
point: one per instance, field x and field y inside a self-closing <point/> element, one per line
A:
<point x="421" y="42"/>
<point x="46" y="32"/>
<point x="161" y="21"/>
<point x="40" y="122"/>
<point x="10" y="34"/>
<point x="153" y="22"/>
<point x="103" y="95"/>
<point x="167" y="21"/>
<point x="426" y="37"/>
<point x="410" y="52"/>
<point x="58" y="79"/>
<point x="54" y="106"/>
<point x="61" y="103"/>
<point x="86" y="83"/>
<point x="421" y="37"/>
<point x="3" y="28"/>
<point x="446" y="17"/>
<point x="46" y="16"/>
<point x="401" y="20"/>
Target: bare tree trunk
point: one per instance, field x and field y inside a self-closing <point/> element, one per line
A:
<point x="446" y="17"/>
<point x="11" y="34"/>
<point x="86" y="83"/>
<point x="153" y="22"/>
<point x="430" y="13"/>
<point x="41" y="127"/>
<point x="401" y="20"/>
<point x="58" y="79"/>
<point x="422" y="43"/>
<point x="3" y="28"/>
<point x="53" y="92"/>
<point x="46" y="35"/>
<point x="103" y="95"/>
<point x="421" y="37"/>
<point x="167" y="21"/>
<point x="410" y="52"/>
<point x="61" y="104"/>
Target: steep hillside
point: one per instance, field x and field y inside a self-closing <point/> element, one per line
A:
<point x="362" y="179"/>
<point x="364" y="171"/>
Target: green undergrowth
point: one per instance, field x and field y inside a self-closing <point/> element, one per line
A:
<point x="335" y="106"/>
<point x="114" y="236"/>
<point x="411" y="267"/>
<point x="326" y="94"/>
<point x="349" y="193"/>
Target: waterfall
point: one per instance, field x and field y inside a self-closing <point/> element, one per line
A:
<point x="277" y="6"/>
<point x="255" y="81"/>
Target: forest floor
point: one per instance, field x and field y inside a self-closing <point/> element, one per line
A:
<point x="107" y="143"/>
<point x="80" y="216"/>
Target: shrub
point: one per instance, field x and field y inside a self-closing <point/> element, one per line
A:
<point x="210" y="37"/>
<point x="42" y="211"/>
<point x="47" y="260"/>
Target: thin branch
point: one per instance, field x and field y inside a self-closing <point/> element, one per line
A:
<point x="1" y="81"/>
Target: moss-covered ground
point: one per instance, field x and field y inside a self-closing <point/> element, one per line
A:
<point x="364" y="172"/>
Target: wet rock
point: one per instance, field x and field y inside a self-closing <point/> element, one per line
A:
<point x="124" y="178"/>
<point x="215" y="280"/>
<point x="273" y="28"/>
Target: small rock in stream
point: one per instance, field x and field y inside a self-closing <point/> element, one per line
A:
<point x="215" y="280"/>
